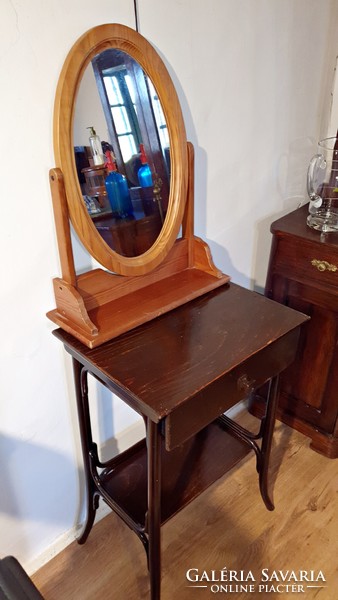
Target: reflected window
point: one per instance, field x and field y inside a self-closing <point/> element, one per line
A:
<point x="122" y="105"/>
<point x="134" y="116"/>
<point x="159" y="116"/>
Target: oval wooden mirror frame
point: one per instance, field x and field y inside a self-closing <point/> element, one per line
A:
<point x="89" y="45"/>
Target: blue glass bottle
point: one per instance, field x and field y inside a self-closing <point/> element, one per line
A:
<point x="118" y="191"/>
<point x="144" y="172"/>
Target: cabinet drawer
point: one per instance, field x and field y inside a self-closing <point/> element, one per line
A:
<point x="314" y="262"/>
<point x="193" y="415"/>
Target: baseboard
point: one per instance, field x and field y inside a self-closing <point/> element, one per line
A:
<point x="234" y="411"/>
<point x="122" y="441"/>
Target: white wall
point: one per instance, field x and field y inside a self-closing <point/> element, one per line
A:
<point x="89" y="110"/>
<point x="254" y="80"/>
<point x="254" y="77"/>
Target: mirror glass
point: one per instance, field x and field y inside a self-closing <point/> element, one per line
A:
<point x="121" y="147"/>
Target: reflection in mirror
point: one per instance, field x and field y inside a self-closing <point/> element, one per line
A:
<point x="125" y="183"/>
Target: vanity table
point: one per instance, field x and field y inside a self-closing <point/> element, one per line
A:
<point x="181" y="372"/>
<point x="165" y="330"/>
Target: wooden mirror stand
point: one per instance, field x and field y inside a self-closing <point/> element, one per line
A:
<point x="99" y="305"/>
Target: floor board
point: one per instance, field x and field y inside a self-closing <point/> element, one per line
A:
<point x="226" y="527"/>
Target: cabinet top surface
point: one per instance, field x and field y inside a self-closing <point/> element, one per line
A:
<point x="170" y="359"/>
<point x="294" y="224"/>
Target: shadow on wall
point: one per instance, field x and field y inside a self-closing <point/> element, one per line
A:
<point x="25" y="467"/>
<point x="291" y="187"/>
<point x="219" y="253"/>
<point x="223" y="262"/>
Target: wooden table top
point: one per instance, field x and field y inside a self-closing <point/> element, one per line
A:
<point x="294" y="224"/>
<point x="159" y="365"/>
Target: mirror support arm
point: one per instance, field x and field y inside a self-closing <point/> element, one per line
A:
<point x="70" y="304"/>
<point x="61" y="216"/>
<point x="188" y="217"/>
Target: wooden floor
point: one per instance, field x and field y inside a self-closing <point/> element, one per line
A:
<point x="226" y="527"/>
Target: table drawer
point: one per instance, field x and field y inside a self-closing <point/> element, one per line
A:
<point x="220" y="395"/>
<point x="314" y="262"/>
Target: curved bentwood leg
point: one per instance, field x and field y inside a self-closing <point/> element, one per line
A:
<point x="267" y="434"/>
<point x="154" y="507"/>
<point x="92" y="496"/>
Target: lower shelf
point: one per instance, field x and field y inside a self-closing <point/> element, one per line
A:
<point x="186" y="472"/>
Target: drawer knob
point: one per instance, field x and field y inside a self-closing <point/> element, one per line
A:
<point x="323" y="265"/>
<point x="245" y="384"/>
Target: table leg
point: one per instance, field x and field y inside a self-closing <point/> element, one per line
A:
<point x="267" y="434"/>
<point x="92" y="498"/>
<point x="154" y="508"/>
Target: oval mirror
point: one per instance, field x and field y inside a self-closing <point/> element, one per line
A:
<point x="129" y="208"/>
<point x="114" y="82"/>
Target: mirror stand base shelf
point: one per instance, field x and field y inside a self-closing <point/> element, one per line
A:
<point x="97" y="306"/>
<point x="103" y="305"/>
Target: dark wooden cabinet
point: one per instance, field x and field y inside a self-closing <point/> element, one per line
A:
<point x="129" y="236"/>
<point x="303" y="274"/>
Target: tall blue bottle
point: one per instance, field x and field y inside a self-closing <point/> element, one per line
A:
<point x="146" y="182"/>
<point x="144" y="173"/>
<point x="118" y="191"/>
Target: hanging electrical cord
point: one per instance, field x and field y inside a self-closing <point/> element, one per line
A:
<point x="136" y="16"/>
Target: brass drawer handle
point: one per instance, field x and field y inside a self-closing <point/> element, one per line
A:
<point x="323" y="265"/>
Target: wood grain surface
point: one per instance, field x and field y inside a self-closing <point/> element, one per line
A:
<point x="166" y="362"/>
<point x="227" y="526"/>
